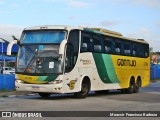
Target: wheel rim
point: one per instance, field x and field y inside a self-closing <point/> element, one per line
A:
<point x="132" y="87"/>
<point x="136" y="87"/>
<point x="84" y="89"/>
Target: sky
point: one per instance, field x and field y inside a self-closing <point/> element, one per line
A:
<point x="138" y="19"/>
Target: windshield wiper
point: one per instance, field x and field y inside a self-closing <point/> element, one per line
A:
<point x="34" y="56"/>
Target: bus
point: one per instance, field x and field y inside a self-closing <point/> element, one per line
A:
<point x="75" y="59"/>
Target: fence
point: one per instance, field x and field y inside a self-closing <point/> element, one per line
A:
<point x="155" y="71"/>
<point x="7" y="82"/>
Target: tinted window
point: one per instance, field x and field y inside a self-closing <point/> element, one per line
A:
<point x="108" y="45"/>
<point x="74" y="40"/>
<point x="140" y="50"/>
<point x="127" y="48"/>
<point x="87" y="43"/>
<point x="135" y="50"/>
<point x="146" y="50"/>
<point x="72" y="50"/>
<point x="97" y="44"/>
<point x="117" y="47"/>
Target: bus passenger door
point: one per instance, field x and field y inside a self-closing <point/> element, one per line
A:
<point x="71" y="74"/>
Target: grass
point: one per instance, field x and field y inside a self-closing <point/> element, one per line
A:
<point x="3" y="90"/>
<point x="155" y="80"/>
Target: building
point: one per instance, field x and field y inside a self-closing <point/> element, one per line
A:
<point x="155" y="59"/>
<point x="7" y="60"/>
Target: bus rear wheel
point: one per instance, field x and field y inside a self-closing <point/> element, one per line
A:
<point x="137" y="86"/>
<point x="85" y="88"/>
<point x="44" y="95"/>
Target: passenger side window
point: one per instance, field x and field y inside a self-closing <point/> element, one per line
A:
<point x="86" y="44"/>
<point x="127" y="48"/>
<point x="146" y="50"/>
<point x="140" y="51"/>
<point x="97" y="44"/>
<point x="135" y="50"/>
<point x="118" y="47"/>
<point x="108" y="45"/>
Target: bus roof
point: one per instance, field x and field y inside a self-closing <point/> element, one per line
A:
<point x="113" y="34"/>
<point x="94" y="30"/>
<point x="58" y="27"/>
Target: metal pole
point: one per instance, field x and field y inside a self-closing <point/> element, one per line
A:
<point x="3" y="40"/>
<point x="2" y="59"/>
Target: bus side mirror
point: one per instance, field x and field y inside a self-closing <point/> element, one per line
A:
<point x="62" y="47"/>
<point x="10" y="45"/>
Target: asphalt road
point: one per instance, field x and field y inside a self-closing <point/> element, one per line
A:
<point x="148" y="99"/>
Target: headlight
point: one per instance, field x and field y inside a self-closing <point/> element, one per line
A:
<point x="19" y="81"/>
<point x="55" y="82"/>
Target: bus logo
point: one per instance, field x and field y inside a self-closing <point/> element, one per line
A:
<point x="72" y="84"/>
<point x="125" y="62"/>
<point x="85" y="62"/>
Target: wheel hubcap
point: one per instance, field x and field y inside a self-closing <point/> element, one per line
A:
<point x="84" y="89"/>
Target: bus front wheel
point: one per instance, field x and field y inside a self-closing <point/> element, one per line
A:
<point x="102" y="91"/>
<point x="85" y="88"/>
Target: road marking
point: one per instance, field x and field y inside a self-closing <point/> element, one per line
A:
<point x="153" y="92"/>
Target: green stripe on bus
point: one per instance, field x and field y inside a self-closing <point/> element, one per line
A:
<point x="105" y="68"/>
<point x="47" y="78"/>
<point x="110" y="68"/>
<point x="51" y="78"/>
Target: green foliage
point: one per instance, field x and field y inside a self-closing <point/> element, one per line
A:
<point x="158" y="53"/>
<point x="3" y="90"/>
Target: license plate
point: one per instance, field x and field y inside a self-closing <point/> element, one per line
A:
<point x="35" y="88"/>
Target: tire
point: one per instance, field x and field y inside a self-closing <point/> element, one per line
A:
<point x="123" y="91"/>
<point x="44" y="95"/>
<point x="131" y="87"/>
<point x="137" y="86"/>
<point x="85" y="88"/>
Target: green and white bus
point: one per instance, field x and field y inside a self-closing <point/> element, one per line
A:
<point x="69" y="59"/>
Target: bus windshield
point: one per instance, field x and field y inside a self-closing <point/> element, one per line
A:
<point x="41" y="59"/>
<point x="39" y="52"/>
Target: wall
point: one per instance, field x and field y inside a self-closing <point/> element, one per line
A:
<point x="155" y="71"/>
<point x="7" y="82"/>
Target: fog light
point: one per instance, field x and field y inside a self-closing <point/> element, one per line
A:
<point x="55" y="82"/>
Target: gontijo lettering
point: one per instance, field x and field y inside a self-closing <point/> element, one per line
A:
<point x="126" y="62"/>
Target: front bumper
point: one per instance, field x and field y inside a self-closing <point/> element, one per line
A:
<point x="48" y="88"/>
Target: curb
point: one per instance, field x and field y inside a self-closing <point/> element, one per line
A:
<point x="13" y="93"/>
